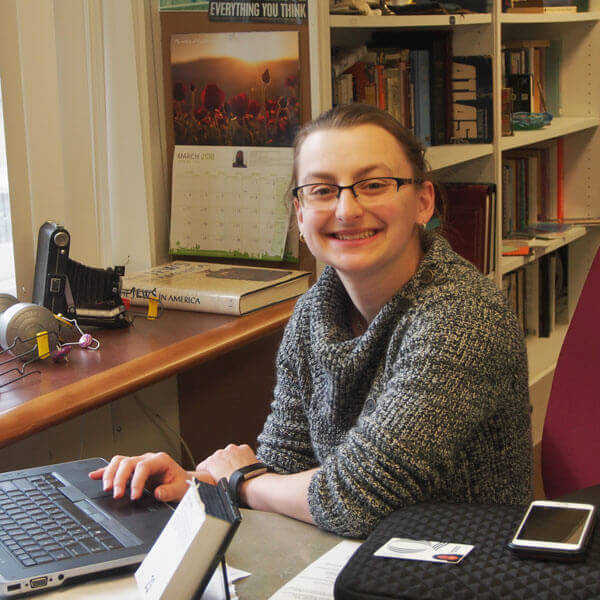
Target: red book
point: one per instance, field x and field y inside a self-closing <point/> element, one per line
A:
<point x="380" y="86"/>
<point x="468" y="207"/>
<point x="360" y="78"/>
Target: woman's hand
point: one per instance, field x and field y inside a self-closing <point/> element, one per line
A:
<point x="224" y="462"/>
<point x="158" y="469"/>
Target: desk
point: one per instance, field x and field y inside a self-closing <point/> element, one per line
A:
<point x="291" y="545"/>
<point x="130" y="359"/>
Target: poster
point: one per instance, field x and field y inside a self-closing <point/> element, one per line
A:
<point x="198" y="5"/>
<point x="263" y="11"/>
<point x="235" y="89"/>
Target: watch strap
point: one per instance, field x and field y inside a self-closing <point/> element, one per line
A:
<point x="243" y="474"/>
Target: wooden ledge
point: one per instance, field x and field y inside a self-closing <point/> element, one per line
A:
<point x="128" y="360"/>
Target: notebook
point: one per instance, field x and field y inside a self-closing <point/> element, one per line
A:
<point x="58" y="526"/>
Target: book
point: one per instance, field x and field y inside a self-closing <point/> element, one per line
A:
<point x="507" y="103"/>
<point x="521" y="84"/>
<point x="441" y="89"/>
<point x="551" y="175"/>
<point x="472" y="99"/>
<point x="562" y="285"/>
<point x="346" y="57"/>
<point x="542" y="9"/>
<point x="468" y="221"/>
<point x="184" y="557"/>
<point x="549" y="230"/>
<point x="419" y="67"/>
<point x="397" y="83"/>
<point x="541" y="6"/>
<point x="219" y="288"/>
<point x="532" y="298"/>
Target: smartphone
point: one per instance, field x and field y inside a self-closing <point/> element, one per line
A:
<point x="554" y="530"/>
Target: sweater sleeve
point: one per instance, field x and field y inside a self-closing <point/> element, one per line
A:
<point x="284" y="443"/>
<point x="448" y="375"/>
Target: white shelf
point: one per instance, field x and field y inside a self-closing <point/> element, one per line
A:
<point x="560" y="126"/>
<point x="556" y="17"/>
<point x="510" y="263"/>
<point x="440" y="157"/>
<point x="542" y="353"/>
<point x="377" y="22"/>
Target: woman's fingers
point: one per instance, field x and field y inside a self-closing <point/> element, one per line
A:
<point x="138" y="470"/>
<point x="224" y="462"/>
<point x="171" y="478"/>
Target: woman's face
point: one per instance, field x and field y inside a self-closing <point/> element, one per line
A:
<point x="381" y="239"/>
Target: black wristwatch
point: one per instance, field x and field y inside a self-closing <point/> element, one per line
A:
<point x="243" y="474"/>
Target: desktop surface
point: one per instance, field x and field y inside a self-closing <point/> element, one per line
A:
<point x="127" y="360"/>
<point x="272" y="560"/>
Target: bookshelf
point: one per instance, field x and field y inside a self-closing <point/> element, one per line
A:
<point x="576" y="122"/>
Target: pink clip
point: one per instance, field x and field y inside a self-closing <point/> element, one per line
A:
<point x="60" y="353"/>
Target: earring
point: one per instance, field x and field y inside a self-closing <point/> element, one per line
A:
<point x="301" y="238"/>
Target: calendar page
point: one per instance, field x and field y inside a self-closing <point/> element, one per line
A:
<point x="230" y="201"/>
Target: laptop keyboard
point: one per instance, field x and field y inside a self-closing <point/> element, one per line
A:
<point x="39" y="525"/>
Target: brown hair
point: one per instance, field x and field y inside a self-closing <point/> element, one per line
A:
<point x="352" y="115"/>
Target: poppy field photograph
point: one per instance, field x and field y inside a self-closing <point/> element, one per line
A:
<point x="235" y="89"/>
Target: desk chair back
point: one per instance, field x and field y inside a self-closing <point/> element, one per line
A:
<point x="571" y="435"/>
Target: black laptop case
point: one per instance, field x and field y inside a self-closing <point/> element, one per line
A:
<point x="489" y="572"/>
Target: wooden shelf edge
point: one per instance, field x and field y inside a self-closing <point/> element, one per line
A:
<point x="82" y="396"/>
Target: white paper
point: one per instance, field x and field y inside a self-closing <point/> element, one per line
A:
<point x="215" y="589"/>
<point x="438" y="552"/>
<point x="219" y="209"/>
<point x="153" y="575"/>
<point x="316" y="581"/>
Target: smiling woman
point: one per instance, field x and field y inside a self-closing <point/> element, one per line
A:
<point x="401" y="376"/>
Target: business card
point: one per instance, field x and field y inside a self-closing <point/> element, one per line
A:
<point x="438" y="552"/>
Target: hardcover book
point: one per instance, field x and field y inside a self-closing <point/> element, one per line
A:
<point x="192" y="544"/>
<point x="219" y="288"/>
<point x="469" y="217"/>
<point x="472" y="99"/>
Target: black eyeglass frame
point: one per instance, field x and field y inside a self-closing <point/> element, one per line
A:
<point x="400" y="181"/>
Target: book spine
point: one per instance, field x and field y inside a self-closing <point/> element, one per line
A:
<point x="379" y="69"/>
<point x="194" y="300"/>
<point x="560" y="181"/>
<point x="438" y="92"/>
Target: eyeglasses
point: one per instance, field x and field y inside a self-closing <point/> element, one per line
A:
<point x="324" y="196"/>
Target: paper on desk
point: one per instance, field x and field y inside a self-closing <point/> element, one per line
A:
<point x="215" y="590"/>
<point x="316" y="581"/>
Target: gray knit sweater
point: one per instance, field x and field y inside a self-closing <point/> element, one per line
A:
<point x="430" y="403"/>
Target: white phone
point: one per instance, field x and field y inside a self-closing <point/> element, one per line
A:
<point x="552" y="529"/>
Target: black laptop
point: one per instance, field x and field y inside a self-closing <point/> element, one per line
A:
<point x="57" y="526"/>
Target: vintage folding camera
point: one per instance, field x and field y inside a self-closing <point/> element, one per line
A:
<point x="88" y="294"/>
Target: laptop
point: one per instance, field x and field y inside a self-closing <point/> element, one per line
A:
<point x="58" y="526"/>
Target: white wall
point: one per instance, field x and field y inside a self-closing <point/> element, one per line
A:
<point x="121" y="427"/>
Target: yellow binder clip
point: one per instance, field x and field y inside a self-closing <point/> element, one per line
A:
<point x="43" y="347"/>
<point x="153" y="305"/>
